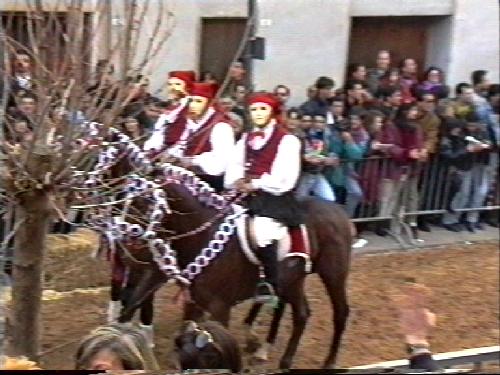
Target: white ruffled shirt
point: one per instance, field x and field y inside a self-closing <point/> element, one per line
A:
<point x="285" y="169"/>
<point x="157" y="138"/>
<point x="213" y="162"/>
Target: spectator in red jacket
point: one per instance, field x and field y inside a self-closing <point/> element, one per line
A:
<point x="403" y="142"/>
<point x="408" y="70"/>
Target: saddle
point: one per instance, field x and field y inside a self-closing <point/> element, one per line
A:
<point x="292" y="242"/>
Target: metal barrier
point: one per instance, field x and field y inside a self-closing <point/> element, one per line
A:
<point x="383" y="189"/>
<point x="476" y="357"/>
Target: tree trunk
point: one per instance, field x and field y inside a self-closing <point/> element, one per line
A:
<point x="27" y="276"/>
<point x="34" y="210"/>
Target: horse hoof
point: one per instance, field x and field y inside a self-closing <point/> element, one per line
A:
<point x="285" y="364"/>
<point x="252" y="345"/>
<point x="252" y="341"/>
<point x="262" y="354"/>
<point x="329" y="366"/>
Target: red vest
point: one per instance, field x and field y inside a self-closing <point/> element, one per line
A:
<point x="261" y="161"/>
<point x="199" y="141"/>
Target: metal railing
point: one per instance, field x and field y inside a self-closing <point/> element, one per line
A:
<point x="384" y="189"/>
<point x="475" y="357"/>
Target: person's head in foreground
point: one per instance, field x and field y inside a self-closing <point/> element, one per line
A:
<point x="18" y="363"/>
<point x="207" y="345"/>
<point x="115" y="347"/>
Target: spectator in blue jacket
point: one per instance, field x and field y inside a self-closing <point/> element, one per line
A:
<point x="320" y="103"/>
<point x="349" y="141"/>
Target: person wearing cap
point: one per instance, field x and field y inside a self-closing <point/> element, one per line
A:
<point x="179" y="86"/>
<point x="266" y="165"/>
<point x="201" y="137"/>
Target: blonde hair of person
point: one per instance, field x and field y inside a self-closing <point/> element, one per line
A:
<point x="127" y="342"/>
<point x="18" y="363"/>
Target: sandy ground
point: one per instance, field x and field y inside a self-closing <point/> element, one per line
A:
<point x="464" y="280"/>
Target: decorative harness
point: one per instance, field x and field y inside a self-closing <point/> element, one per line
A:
<point x="118" y="231"/>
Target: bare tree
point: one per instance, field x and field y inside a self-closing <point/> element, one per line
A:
<point x="62" y="41"/>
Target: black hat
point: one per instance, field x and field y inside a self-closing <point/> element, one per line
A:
<point x="324" y="83"/>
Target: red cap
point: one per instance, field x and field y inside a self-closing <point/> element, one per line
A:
<point x="188" y="76"/>
<point x="267" y="98"/>
<point x="206" y="90"/>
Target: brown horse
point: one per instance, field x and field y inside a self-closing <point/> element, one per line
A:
<point x="231" y="278"/>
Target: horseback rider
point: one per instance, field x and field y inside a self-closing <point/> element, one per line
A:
<point x="200" y="137"/>
<point x="179" y="86"/>
<point x="266" y="165"/>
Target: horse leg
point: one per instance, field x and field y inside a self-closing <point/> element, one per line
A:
<point x="291" y="283"/>
<point x="263" y="351"/>
<point x="251" y="338"/>
<point x="275" y="323"/>
<point x="336" y="289"/>
<point x="146" y="315"/>
<point x="149" y="282"/>
<point x="115" y="303"/>
<point x="193" y="312"/>
<point x="220" y="311"/>
<point x="300" y="314"/>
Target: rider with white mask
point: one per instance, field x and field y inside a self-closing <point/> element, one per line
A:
<point x="266" y="166"/>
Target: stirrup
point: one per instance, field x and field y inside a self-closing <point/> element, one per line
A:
<point x="269" y="296"/>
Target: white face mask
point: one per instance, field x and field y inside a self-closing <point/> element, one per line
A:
<point x="260" y="113"/>
<point x="176" y="86"/>
<point x="197" y="107"/>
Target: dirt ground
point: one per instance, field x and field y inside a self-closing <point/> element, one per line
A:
<point x="464" y="280"/>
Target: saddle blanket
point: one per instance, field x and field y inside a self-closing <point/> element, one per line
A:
<point x="266" y="230"/>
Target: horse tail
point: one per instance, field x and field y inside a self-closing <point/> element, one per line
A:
<point x="331" y="235"/>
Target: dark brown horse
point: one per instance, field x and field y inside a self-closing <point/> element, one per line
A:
<point x="231" y="278"/>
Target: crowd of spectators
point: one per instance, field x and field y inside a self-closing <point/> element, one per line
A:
<point x="388" y="141"/>
<point x="371" y="145"/>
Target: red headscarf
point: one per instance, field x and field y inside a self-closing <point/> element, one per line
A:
<point x="206" y="90"/>
<point x="267" y="98"/>
<point x="188" y="76"/>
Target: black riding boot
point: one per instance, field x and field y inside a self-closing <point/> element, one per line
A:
<point x="266" y="290"/>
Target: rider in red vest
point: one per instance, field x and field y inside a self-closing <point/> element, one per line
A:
<point x="201" y="137"/>
<point x="266" y="165"/>
<point x="179" y="86"/>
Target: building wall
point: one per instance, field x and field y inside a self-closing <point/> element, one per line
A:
<point x="439" y="43"/>
<point x="364" y="8"/>
<point x="474" y="40"/>
<point x="182" y="50"/>
<point x="304" y="40"/>
<point x="309" y="38"/>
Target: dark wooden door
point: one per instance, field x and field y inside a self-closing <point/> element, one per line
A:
<point x="220" y="38"/>
<point x="403" y="36"/>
